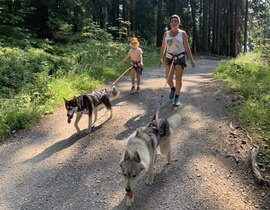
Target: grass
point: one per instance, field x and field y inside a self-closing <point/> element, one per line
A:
<point x="248" y="76"/>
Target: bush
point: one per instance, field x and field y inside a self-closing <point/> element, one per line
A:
<point x="248" y="75"/>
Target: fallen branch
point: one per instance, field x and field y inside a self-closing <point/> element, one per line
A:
<point x="255" y="168"/>
<point x="246" y="133"/>
<point x="231" y="126"/>
<point x="234" y="128"/>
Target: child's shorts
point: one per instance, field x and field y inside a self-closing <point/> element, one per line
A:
<point x="137" y="68"/>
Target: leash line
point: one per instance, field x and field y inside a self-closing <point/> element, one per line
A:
<point x="122" y="75"/>
<point x="161" y="97"/>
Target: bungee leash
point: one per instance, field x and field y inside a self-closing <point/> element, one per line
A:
<point x="122" y="75"/>
<point x="161" y="97"/>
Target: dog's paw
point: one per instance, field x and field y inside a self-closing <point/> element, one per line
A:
<point x="129" y="202"/>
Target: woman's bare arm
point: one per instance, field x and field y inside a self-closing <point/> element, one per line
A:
<point x="188" y="51"/>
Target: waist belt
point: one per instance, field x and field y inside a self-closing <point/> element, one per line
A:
<point x="135" y="64"/>
<point x="177" y="56"/>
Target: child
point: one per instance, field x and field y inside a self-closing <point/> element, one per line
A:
<point x="135" y="54"/>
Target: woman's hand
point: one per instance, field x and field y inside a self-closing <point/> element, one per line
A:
<point x="192" y="62"/>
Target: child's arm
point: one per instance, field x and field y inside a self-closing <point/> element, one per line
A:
<point x="141" y="58"/>
<point x="124" y="59"/>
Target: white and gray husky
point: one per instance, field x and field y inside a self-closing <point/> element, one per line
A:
<point x="90" y="104"/>
<point x="141" y="152"/>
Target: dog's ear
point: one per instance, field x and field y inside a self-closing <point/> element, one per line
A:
<point x="65" y="100"/>
<point x="137" y="157"/>
<point x="126" y="157"/>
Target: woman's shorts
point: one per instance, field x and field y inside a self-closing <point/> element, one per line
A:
<point x="179" y="61"/>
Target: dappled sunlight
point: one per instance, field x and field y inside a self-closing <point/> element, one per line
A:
<point x="116" y="198"/>
<point x="31" y="164"/>
<point x="220" y="190"/>
<point x="196" y="118"/>
<point x="4" y="206"/>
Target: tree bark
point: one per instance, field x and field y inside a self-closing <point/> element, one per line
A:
<point x="246" y="27"/>
<point x="194" y="29"/>
<point x="159" y="24"/>
<point x="205" y="25"/>
<point x="236" y="28"/>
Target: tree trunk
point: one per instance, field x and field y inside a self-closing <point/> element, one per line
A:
<point x="214" y="28"/>
<point x="125" y="10"/>
<point x="217" y="50"/>
<point x="232" y="27"/>
<point x="200" y="29"/>
<point x="228" y="28"/>
<point x="104" y="17"/>
<point x="236" y="28"/>
<point x="194" y="30"/>
<point x="159" y="24"/>
<point x="246" y="27"/>
<point x="210" y="24"/>
<point x="205" y="26"/>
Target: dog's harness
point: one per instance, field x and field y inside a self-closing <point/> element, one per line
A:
<point x="94" y="96"/>
<point x="160" y="130"/>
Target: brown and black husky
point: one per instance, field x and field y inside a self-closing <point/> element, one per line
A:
<point x="90" y="104"/>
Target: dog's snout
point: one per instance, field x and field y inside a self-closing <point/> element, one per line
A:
<point x="128" y="190"/>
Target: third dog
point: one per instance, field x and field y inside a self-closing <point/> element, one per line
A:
<point x="90" y="104"/>
<point x="140" y="154"/>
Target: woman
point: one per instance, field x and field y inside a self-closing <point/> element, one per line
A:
<point x="175" y="43"/>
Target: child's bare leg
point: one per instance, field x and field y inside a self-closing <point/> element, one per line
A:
<point x="132" y="76"/>
<point x="138" y="79"/>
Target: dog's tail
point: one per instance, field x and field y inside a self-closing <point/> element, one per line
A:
<point x="114" y="93"/>
<point x="174" y="121"/>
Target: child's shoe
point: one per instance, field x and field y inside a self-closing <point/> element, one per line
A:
<point x="132" y="90"/>
<point x="177" y="101"/>
<point x="172" y="93"/>
<point x="138" y="89"/>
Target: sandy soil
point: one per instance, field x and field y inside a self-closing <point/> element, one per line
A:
<point x="51" y="167"/>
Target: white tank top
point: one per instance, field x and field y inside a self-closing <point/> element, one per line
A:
<point x="175" y="44"/>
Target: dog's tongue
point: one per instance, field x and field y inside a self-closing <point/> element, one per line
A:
<point x="69" y="120"/>
<point x="130" y="194"/>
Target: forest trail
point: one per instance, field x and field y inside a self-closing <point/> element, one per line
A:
<point x="51" y="167"/>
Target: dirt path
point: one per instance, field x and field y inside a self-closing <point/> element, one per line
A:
<point x="51" y="167"/>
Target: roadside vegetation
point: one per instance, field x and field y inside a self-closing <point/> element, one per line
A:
<point x="35" y="74"/>
<point x="248" y="76"/>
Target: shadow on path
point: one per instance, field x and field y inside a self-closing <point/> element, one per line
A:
<point x="63" y="144"/>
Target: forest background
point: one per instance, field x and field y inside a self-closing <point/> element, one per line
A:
<point x="50" y="50"/>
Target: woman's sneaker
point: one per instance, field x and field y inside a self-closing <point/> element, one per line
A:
<point x="138" y="89"/>
<point x="177" y="101"/>
<point x="172" y="93"/>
